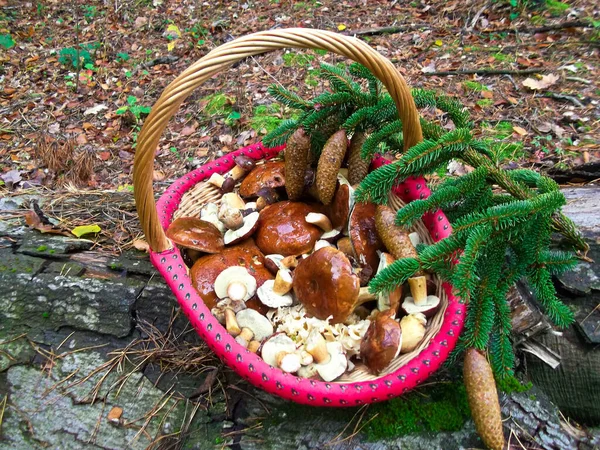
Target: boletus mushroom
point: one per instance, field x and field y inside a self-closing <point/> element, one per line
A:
<point x="204" y="272"/>
<point x="196" y="234"/>
<point x="413" y="331"/>
<point x="382" y="342"/>
<point x="270" y="174"/>
<point x="235" y="283"/>
<point x="364" y="238"/>
<point x="325" y="283"/>
<point x="428" y="309"/>
<point x="388" y="300"/>
<point x="282" y="229"/>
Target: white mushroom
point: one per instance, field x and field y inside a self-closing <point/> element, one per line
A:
<point x="413" y="331"/>
<point x="305" y="357"/>
<point x="235" y="283"/>
<point x="288" y="362"/>
<point x="267" y="295"/>
<point x="283" y="282"/>
<point x="244" y="337"/>
<point x="418" y="289"/>
<point x="320" y="220"/>
<point x="255" y="321"/>
<point x="336" y="365"/>
<point x="231" y="217"/>
<point x="247" y="229"/>
<point x="274" y="345"/>
<point x="233" y="200"/>
<point x="415" y="238"/>
<point x="210" y="214"/>
<point x="322" y="243"/>
<point x="429" y="308"/>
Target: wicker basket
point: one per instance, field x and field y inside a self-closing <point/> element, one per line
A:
<point x="187" y="195"/>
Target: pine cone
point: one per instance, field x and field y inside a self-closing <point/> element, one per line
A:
<point x="357" y="167"/>
<point x="330" y="162"/>
<point x="296" y="159"/>
<point x="483" y="399"/>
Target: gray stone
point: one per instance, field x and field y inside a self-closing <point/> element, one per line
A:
<point x="48" y="301"/>
<point x="65" y="268"/>
<point x="40" y="244"/>
<point x="133" y="262"/>
<point x="15" y="351"/>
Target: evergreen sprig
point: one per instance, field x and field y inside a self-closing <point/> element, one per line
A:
<point x="502" y="220"/>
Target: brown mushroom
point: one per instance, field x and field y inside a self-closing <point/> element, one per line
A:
<point x="249" y="226"/>
<point x="205" y="271"/>
<point x="382" y="342"/>
<point x="363" y="235"/>
<point x="330" y="162"/>
<point x="283" y="230"/>
<point x="326" y="285"/>
<point x="339" y="210"/>
<point x="196" y="234"/>
<point x="270" y="174"/>
<point x="296" y="160"/>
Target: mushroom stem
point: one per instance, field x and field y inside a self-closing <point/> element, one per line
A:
<point x="320" y="220"/>
<point x="288" y="362"/>
<point x="253" y="346"/>
<point x="418" y="289"/>
<point x="283" y="282"/>
<point x="233" y="200"/>
<point x="231" y="322"/>
<point x="244" y="337"/>
<point x="231" y="217"/>
<point x="236" y="290"/>
<point x="289" y="262"/>
<point x="364" y="296"/>
<point x="237" y="172"/>
<point x="317" y="347"/>
<point x="216" y="179"/>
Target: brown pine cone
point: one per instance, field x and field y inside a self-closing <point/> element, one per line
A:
<point x="357" y="167"/>
<point x="330" y="162"/>
<point x="296" y="159"/>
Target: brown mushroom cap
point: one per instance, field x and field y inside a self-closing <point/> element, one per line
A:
<point x="363" y="235"/>
<point x="205" y="271"/>
<point x="326" y="285"/>
<point x="197" y="234"/>
<point x="271" y="175"/>
<point x="282" y="229"/>
<point x="381" y="342"/>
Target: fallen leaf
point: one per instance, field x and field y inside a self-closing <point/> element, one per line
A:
<point x="519" y="130"/>
<point x="81" y="139"/>
<point x="95" y="109"/>
<point x="430" y="68"/>
<point x="570" y="68"/>
<point x="11" y="178"/>
<point x="341" y="27"/>
<point x="157" y="175"/>
<point x="543" y="83"/>
<point x="140" y="22"/>
<point x="34" y="221"/>
<point x="545" y="127"/>
<point x="104" y="156"/>
<point x="487" y="94"/>
<point x="85" y="229"/>
<point x="439" y="42"/>
<point x="141" y="245"/>
<point x="226" y="139"/>
<point x="188" y="131"/>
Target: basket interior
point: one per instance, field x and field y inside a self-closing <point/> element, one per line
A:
<point x="203" y="192"/>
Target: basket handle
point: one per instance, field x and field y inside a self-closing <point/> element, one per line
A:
<point x="226" y="55"/>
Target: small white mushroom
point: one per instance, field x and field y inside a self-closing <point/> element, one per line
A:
<point x="268" y="297"/>
<point x="231" y="217"/>
<point x="219" y="310"/>
<point x="250" y="223"/>
<point x="288" y="362"/>
<point x="235" y="283"/>
<point x="415" y="238"/>
<point x="320" y="220"/>
<point x="244" y="337"/>
<point x="305" y="357"/>
<point x="337" y="363"/>
<point x="275" y="345"/>
<point x="413" y="331"/>
<point x="233" y="200"/>
<point x="209" y="213"/>
<point x="259" y="324"/>
<point x="283" y="282"/>
<point x="429" y="308"/>
<point x="418" y="289"/>
<point x="322" y="243"/>
<point x="332" y="235"/>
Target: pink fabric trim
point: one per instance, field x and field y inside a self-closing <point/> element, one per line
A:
<point x="253" y="368"/>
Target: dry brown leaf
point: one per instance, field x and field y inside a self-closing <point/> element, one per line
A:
<point x="141" y="245"/>
<point x="115" y="414"/>
<point x="34" y="221"/>
<point x="519" y="130"/>
<point x="543" y="83"/>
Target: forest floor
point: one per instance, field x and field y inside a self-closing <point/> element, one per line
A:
<point x="78" y="78"/>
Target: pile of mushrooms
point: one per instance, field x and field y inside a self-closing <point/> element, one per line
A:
<point x="284" y="258"/>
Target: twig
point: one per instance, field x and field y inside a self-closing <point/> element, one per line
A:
<point x="512" y="80"/>
<point x="485" y="72"/>
<point x="476" y="18"/>
<point x="579" y="80"/>
<point x="568" y="98"/>
<point x="168" y="59"/>
<point x="386" y="30"/>
<point x="526" y="30"/>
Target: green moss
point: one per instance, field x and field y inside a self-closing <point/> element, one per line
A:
<point x="475" y="86"/>
<point x="115" y="266"/>
<point x="42" y="248"/>
<point x="503" y="57"/>
<point x="510" y="384"/>
<point x="441" y="407"/>
<point x="52" y="251"/>
<point x="265" y="117"/>
<point x="485" y="102"/>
